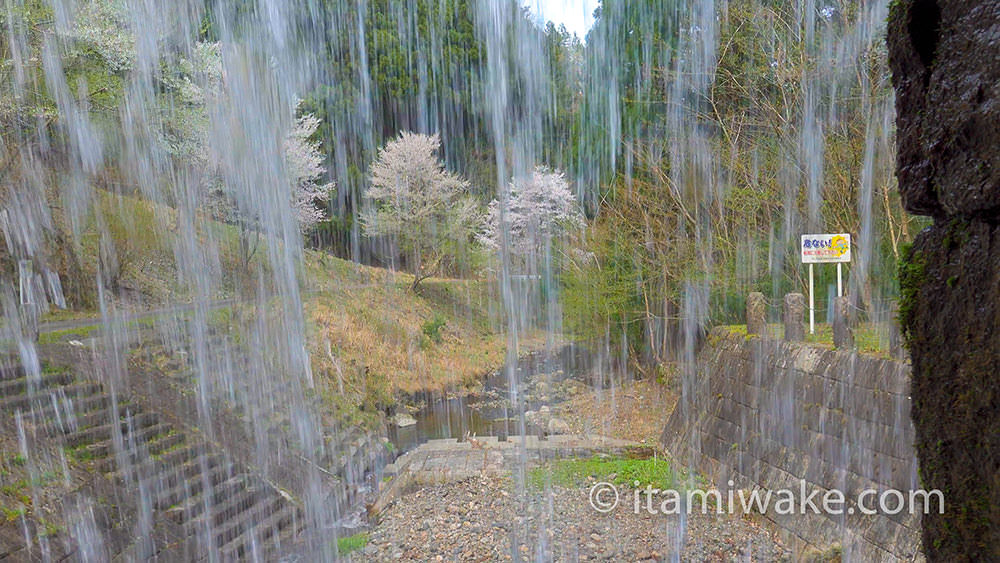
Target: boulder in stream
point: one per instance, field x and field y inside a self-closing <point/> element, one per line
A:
<point x="402" y="420"/>
<point x="558" y="426"/>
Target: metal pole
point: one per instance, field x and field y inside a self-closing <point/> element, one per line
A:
<point x="24" y="281"/>
<point x="840" y="290"/>
<point x="812" y="306"/>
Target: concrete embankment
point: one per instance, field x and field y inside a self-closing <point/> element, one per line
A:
<point x="771" y="415"/>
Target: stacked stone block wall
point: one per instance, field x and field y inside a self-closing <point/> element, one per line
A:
<point x="769" y="414"/>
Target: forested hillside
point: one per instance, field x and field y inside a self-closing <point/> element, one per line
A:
<point x="422" y="68"/>
<point x="729" y="137"/>
<point x="697" y="175"/>
<point x="384" y="69"/>
<point x="698" y="144"/>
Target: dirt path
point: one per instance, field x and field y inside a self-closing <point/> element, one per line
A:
<point x="69" y="324"/>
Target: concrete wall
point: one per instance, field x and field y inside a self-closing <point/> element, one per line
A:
<point x="768" y="414"/>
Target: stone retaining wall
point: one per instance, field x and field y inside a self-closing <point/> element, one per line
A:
<point x="769" y="414"/>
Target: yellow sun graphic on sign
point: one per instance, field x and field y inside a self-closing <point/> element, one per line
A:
<point x="838" y="245"/>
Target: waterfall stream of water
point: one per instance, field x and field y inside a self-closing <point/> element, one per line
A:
<point x="208" y="96"/>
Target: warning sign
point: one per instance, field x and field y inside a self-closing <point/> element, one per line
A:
<point x="826" y="248"/>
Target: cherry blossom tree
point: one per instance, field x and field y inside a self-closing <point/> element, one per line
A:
<point x="540" y="208"/>
<point x="304" y="169"/>
<point x="304" y="163"/>
<point x="419" y="203"/>
<point x="103" y="25"/>
<point x="197" y="84"/>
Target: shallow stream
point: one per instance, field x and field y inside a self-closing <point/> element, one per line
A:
<point x="543" y="380"/>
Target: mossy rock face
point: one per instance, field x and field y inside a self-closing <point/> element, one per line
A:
<point x="951" y="316"/>
<point x="945" y="60"/>
<point x="912" y="269"/>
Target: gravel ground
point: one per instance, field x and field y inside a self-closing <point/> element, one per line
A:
<point x="485" y="519"/>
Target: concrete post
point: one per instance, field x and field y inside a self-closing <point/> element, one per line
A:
<point x="792" y="315"/>
<point x="843" y="334"/>
<point x="896" y="349"/>
<point x="756" y="314"/>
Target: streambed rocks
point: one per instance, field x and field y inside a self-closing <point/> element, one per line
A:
<point x="489" y="410"/>
<point x="488" y="519"/>
<point x="558" y="426"/>
<point x="543" y="419"/>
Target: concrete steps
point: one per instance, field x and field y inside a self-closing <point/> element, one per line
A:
<point x="137" y="453"/>
<point x="149" y="466"/>
<point x="21" y="385"/>
<point x="224" y="509"/>
<point x="24" y="402"/>
<point x="102" y="414"/>
<point x="171" y="478"/>
<point x="10" y="370"/>
<point x="103" y="447"/>
<point x="258" y="527"/>
<point x="62" y="413"/>
<point x="94" y="433"/>
<point x="227" y="498"/>
<point x="192" y="486"/>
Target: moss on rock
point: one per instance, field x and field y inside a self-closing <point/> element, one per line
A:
<point x="945" y="61"/>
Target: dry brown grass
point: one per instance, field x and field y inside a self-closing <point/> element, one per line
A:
<point x="374" y="324"/>
<point x="637" y="410"/>
<point x="381" y="333"/>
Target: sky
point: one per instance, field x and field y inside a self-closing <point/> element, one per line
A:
<point x="576" y="15"/>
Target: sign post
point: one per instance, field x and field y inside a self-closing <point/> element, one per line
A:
<point x="812" y="306"/>
<point x="822" y="249"/>
<point x="24" y="281"/>
<point x="840" y="289"/>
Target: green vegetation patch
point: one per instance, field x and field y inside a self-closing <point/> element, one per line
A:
<point x="869" y="338"/>
<point x="654" y="471"/>
<point x="351" y="543"/>
<point x="432" y="328"/>
<point x="77" y="333"/>
<point x="912" y="271"/>
<point x="12" y="514"/>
